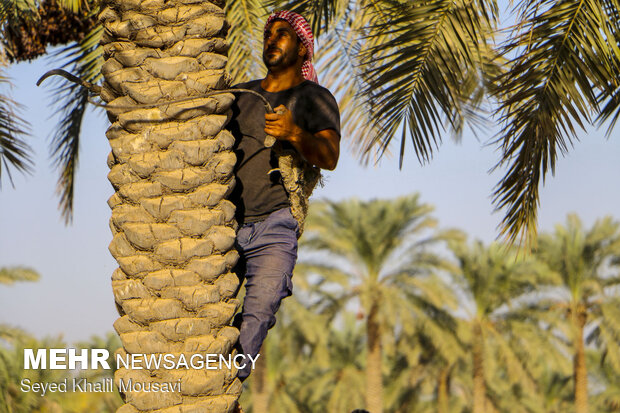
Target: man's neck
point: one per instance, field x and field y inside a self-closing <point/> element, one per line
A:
<point x="279" y="81"/>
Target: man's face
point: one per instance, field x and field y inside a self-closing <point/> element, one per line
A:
<point x="281" y="46"/>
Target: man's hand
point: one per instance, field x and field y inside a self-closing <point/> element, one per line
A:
<point x="281" y="125"/>
<point x="321" y="149"/>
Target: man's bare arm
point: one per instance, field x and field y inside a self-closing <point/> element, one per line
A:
<point x="321" y="149"/>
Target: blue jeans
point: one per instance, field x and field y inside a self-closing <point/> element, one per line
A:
<point x="267" y="251"/>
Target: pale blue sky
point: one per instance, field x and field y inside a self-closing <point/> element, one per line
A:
<point x="73" y="297"/>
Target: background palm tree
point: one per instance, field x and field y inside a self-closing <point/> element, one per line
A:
<point x="442" y="373"/>
<point x="492" y="278"/>
<point x="338" y="384"/>
<point x="376" y="255"/>
<point x="317" y="356"/>
<point x="304" y="373"/>
<point x="293" y="347"/>
<point x="12" y="398"/>
<point x="586" y="263"/>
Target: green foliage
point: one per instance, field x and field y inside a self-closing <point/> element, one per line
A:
<point x="10" y="275"/>
<point x="246" y="39"/>
<point x="12" y="373"/>
<point x="319" y="351"/>
<point x="419" y="67"/>
<point x="496" y="283"/>
<point x="560" y="54"/>
<point x="13" y="341"/>
<point x="493" y="276"/>
<point x="374" y="250"/>
<point x="379" y="256"/>
<point x="15" y="153"/>
<point x="424" y="67"/>
<point x="429" y="299"/>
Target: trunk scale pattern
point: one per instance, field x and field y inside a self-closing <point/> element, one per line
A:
<point x="172" y="169"/>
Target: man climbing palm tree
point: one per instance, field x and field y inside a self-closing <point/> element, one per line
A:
<point x="273" y="185"/>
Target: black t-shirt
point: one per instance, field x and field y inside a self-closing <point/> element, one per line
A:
<point x="258" y="193"/>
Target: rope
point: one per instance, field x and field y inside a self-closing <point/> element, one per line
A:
<point x="96" y="90"/>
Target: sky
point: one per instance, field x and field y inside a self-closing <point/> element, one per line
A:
<point x="73" y="298"/>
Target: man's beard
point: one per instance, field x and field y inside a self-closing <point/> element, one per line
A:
<point x="281" y="59"/>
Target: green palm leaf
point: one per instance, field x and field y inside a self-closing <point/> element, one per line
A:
<point x="246" y="39"/>
<point x="84" y="59"/>
<point x="31" y="26"/>
<point x="563" y="54"/>
<point x="420" y="57"/>
<point x="16" y="16"/>
<point x="15" y="153"/>
<point x="321" y="14"/>
<point x="372" y="250"/>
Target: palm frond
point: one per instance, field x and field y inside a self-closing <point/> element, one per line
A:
<point x="30" y="26"/>
<point x="85" y="60"/>
<point x="16" y="16"/>
<point x="329" y="274"/>
<point x="610" y="97"/>
<point x="420" y="57"/>
<point x="611" y="108"/>
<point x="9" y="333"/>
<point x="321" y="14"/>
<point x="562" y="56"/>
<point x="349" y="229"/>
<point x="340" y="71"/>
<point x="246" y="18"/>
<point x="15" y="153"/>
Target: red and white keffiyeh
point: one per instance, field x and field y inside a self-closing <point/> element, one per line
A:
<point x="304" y="32"/>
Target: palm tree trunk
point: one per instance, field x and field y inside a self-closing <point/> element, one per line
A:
<point x="443" y="405"/>
<point x="580" y="371"/>
<point x="171" y="166"/>
<point x="374" y="381"/>
<point x="478" y="359"/>
<point x="260" y="395"/>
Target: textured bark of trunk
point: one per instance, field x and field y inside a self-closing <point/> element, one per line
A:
<point x="580" y="373"/>
<point x="172" y="168"/>
<point x="443" y="405"/>
<point x="374" y="381"/>
<point x="260" y="395"/>
<point x="478" y="359"/>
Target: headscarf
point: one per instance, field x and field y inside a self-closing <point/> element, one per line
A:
<point x="304" y="32"/>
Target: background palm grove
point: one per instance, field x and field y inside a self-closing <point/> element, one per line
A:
<point x="391" y="311"/>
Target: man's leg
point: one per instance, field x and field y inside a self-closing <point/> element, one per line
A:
<point x="269" y="253"/>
